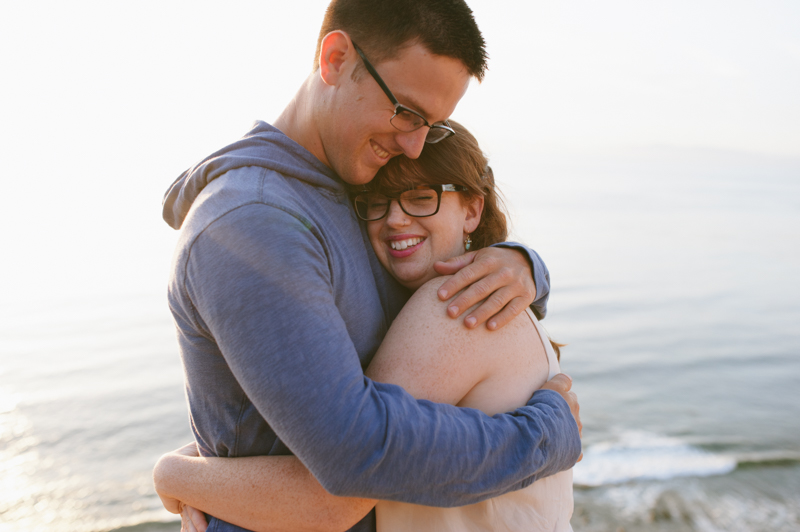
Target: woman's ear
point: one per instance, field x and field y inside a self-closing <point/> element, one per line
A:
<point x="474" y="211"/>
<point x="334" y="51"/>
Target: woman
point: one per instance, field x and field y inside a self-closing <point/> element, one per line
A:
<point x="417" y="212"/>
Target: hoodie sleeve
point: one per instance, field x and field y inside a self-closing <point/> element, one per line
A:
<point x="541" y="277"/>
<point x="267" y="300"/>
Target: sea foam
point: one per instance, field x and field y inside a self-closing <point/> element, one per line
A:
<point x="642" y="455"/>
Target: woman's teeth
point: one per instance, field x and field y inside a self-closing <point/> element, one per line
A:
<point x="400" y="245"/>
<point x="383" y="154"/>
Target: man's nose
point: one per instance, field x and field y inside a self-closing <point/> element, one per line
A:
<point x="396" y="217"/>
<point x="412" y="142"/>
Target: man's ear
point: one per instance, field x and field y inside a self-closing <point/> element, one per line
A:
<point x="474" y="211"/>
<point x="334" y="51"/>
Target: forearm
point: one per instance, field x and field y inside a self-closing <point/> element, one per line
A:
<point x="260" y="493"/>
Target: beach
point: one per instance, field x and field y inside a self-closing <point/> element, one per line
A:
<point x="650" y="152"/>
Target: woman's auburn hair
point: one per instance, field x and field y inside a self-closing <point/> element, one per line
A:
<point x="456" y="160"/>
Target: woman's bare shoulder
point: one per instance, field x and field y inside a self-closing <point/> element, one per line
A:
<point x="425" y="307"/>
<point x="426" y="352"/>
<point x="436" y="357"/>
<point x="429" y="292"/>
<point x="424" y="325"/>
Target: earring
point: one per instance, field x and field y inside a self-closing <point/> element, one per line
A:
<point x="467" y="243"/>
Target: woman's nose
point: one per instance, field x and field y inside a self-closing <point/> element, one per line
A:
<point x="396" y="216"/>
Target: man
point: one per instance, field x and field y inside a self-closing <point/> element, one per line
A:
<point x="279" y="301"/>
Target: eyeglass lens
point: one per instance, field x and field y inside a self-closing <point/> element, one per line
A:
<point x="417" y="202"/>
<point x="406" y="120"/>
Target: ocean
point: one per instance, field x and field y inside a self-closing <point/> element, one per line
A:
<point x="675" y="286"/>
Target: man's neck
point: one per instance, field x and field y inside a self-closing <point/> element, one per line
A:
<point x="298" y="119"/>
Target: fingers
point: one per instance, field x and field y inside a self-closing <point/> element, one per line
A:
<point x="497" y="320"/>
<point x="561" y="383"/>
<point x="186" y="521"/>
<point x="491" y="290"/>
<point x="451" y="266"/>
<point x="575" y="409"/>
<point x="192" y="520"/>
<point x="198" y="519"/>
<point x="496" y="290"/>
<point x="497" y="277"/>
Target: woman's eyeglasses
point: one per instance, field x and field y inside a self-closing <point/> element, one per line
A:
<point x="419" y="202"/>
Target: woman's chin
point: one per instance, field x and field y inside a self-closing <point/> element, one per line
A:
<point x="414" y="279"/>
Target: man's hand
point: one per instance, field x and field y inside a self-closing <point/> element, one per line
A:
<point x="499" y="277"/>
<point x="562" y="383"/>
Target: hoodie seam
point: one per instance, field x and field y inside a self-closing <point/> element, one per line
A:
<point x="185" y="273"/>
<point x="242" y="408"/>
<point x="302" y="219"/>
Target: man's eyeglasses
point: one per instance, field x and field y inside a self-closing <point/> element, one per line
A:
<point x="420" y="202"/>
<point x="406" y="119"/>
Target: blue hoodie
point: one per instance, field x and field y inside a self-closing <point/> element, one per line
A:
<point x="280" y="302"/>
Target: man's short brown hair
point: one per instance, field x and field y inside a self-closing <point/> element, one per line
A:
<point x="382" y="28"/>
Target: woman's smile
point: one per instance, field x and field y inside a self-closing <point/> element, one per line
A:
<point x="401" y="246"/>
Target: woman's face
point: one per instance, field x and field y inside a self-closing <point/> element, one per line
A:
<point x="408" y="246"/>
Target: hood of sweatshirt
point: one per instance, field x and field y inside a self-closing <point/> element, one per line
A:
<point x="263" y="146"/>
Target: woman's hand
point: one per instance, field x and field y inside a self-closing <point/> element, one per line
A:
<point x="500" y="277"/>
<point x="192" y="520"/>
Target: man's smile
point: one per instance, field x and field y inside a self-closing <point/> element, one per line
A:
<point x="379" y="151"/>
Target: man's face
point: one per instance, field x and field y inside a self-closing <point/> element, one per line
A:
<point x="359" y="138"/>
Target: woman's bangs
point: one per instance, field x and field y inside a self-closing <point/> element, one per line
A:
<point x="400" y="174"/>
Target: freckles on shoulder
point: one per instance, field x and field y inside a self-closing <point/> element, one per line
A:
<point x="427" y="352"/>
<point x="425" y="318"/>
<point x="425" y="304"/>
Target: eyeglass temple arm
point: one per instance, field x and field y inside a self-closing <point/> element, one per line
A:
<point x="375" y="75"/>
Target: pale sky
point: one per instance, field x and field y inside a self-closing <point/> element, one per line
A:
<point x="104" y="103"/>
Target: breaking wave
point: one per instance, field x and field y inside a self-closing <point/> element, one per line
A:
<point x="647" y="456"/>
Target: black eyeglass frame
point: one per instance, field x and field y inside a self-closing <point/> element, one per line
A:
<point x="398" y="107"/>
<point x="437" y="188"/>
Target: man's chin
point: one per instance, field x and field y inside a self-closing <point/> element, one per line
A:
<point x="360" y="176"/>
<point x="363" y="169"/>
